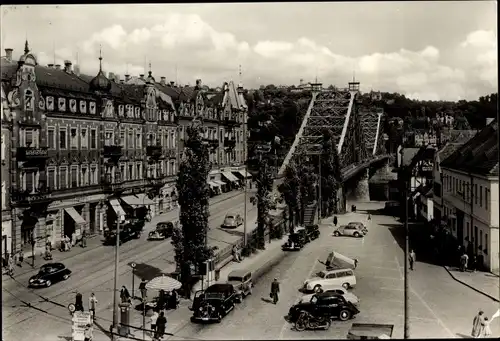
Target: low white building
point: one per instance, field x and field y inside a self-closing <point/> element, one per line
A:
<point x="470" y="195"/>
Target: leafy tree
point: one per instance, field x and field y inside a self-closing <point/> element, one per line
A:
<point x="178" y="243"/>
<point x="308" y="180"/>
<point x="330" y="174"/>
<point x="264" y="200"/>
<point x="290" y="191"/>
<point x="194" y="193"/>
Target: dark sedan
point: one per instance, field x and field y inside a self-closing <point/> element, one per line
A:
<point x="49" y="273"/>
<point x="327" y="304"/>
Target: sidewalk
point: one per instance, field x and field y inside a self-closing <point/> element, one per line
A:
<point x="485" y="283"/>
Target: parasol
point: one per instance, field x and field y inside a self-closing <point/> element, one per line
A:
<point x="163" y="283"/>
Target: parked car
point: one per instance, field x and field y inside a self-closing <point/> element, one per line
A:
<point x="49" y="273"/>
<point x="232" y="221"/>
<point x="325" y="305"/>
<point x="241" y="280"/>
<point x="349" y="296"/>
<point x="312" y="232"/>
<point x="213" y="303"/>
<point x="303" y="234"/>
<point x="294" y="243"/>
<point x="325" y="280"/>
<point x="349" y="230"/>
<point x="163" y="231"/>
<point x="362" y="226"/>
<point x="132" y="229"/>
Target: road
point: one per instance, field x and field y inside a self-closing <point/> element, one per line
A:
<point x="439" y="306"/>
<point x="93" y="271"/>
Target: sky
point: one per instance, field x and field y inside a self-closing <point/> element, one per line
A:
<point x="424" y="50"/>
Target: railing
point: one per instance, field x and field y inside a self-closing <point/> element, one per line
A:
<point x="25" y="196"/>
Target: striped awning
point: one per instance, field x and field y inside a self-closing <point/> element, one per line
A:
<point x="117" y="208"/>
<point x="75" y="215"/>
<point x="163" y="282"/>
<point x="245" y="173"/>
<point x="222" y="183"/>
<point x="230" y="176"/>
<point x="213" y="184"/>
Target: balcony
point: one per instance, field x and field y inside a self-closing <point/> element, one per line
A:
<point x="112" y="151"/>
<point x="154" y="152"/>
<point x="112" y="187"/>
<point x="32" y="153"/>
<point x="229" y="143"/>
<point x="23" y="197"/>
<point x="230" y="121"/>
<point x="156" y="181"/>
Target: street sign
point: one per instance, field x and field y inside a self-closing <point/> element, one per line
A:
<point x="133" y="265"/>
<point x="71" y="308"/>
<point x="81" y="321"/>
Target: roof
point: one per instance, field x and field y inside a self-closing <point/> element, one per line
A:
<point x="408" y="155"/>
<point x="479" y="155"/>
<point x="448" y="149"/>
<point x="219" y="287"/>
<point x="454" y="135"/>
<point x="238" y="273"/>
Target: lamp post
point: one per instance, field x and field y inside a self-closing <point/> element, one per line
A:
<point x="407" y="284"/>
<point x="245" y="196"/>
<point x="115" y="286"/>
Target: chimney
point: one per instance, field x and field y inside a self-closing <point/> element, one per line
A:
<point x="489" y="120"/>
<point x="111" y="76"/>
<point x="198" y="83"/>
<point x="141" y="76"/>
<point x="50" y="66"/>
<point x="8" y="54"/>
<point x="67" y="66"/>
<point x="163" y="81"/>
<point x="172" y="84"/>
<point x="76" y="70"/>
<point x="58" y="66"/>
<point x="127" y="78"/>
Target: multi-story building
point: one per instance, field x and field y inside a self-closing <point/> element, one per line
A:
<point x="91" y="149"/>
<point x="5" y="176"/>
<point x="470" y="195"/>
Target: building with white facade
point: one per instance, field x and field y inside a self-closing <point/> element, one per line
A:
<point x="470" y="196"/>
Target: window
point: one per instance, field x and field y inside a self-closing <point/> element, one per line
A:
<point x="84" y="181"/>
<point x="122" y="138"/>
<point x="108" y="138"/>
<point x="73" y="139"/>
<point x="481" y="196"/>
<point x="51" y="137"/>
<point x="456" y="186"/>
<point x="485" y="246"/>
<point x="28" y="138"/>
<point x="29" y="100"/>
<point x="51" y="176"/>
<point x="130" y="142"/>
<point x="122" y="170"/>
<point x="93" y="175"/>
<point x="131" y="172"/>
<point x="486" y="199"/>
<point x="62" y="138"/>
<point x="138" y="141"/>
<point x="475" y="192"/>
<point x="28" y="180"/>
<point x="468" y="230"/>
<point x="84" y="138"/>
<point x="74" y="177"/>
<point x="62" y="177"/>
<point x="173" y="137"/>
<point x="93" y="139"/>
<point x="172" y="168"/>
<point x="480" y="242"/>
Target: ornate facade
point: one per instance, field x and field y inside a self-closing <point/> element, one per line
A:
<point x="91" y="149"/>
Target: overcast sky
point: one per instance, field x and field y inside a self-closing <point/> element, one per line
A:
<point x="426" y="50"/>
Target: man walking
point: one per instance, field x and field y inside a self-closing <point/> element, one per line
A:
<point x="20" y="258"/>
<point x="161" y="325"/>
<point x="275" y="289"/>
<point x="153" y="320"/>
<point x="143" y="290"/>
<point x="412" y="259"/>
<point x="92" y="304"/>
<point x="84" y="239"/>
<point x="478" y="325"/>
<point x="335" y="221"/>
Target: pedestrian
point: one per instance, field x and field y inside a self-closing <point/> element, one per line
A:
<point x="236" y="255"/>
<point x="153" y="320"/>
<point x="20" y="258"/>
<point x="92" y="304"/>
<point x="369" y="217"/>
<point x="412" y="259"/>
<point x="464" y="262"/>
<point x="173" y="299"/>
<point x="124" y="295"/>
<point x="48" y="243"/>
<point x="84" y="239"/>
<point x="473" y="264"/>
<point x="355" y="263"/>
<point x="275" y="289"/>
<point x="335" y="221"/>
<point x="160" y="304"/>
<point x="487" y="330"/>
<point x="143" y="290"/>
<point x="478" y="325"/>
<point x="161" y="325"/>
<point x="79" y="302"/>
<point x="87" y="333"/>
<point x="10" y="266"/>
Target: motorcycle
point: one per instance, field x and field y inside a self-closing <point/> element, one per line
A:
<point x="308" y="321"/>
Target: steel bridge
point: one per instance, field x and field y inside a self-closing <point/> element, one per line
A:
<point x="357" y="131"/>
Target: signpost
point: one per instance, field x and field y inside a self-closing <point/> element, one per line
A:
<point x="133" y="265"/>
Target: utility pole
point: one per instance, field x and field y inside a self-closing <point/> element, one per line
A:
<point x="117" y="260"/>
<point x="245" y="239"/>
<point x="407" y="246"/>
<point x="319" y="189"/>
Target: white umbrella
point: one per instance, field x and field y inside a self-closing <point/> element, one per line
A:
<point x="163" y="283"/>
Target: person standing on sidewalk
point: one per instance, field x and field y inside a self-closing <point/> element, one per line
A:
<point x="412" y="259"/>
<point x="20" y="258"/>
<point x="84" y="239"/>
<point x="161" y="325"/>
<point x="10" y="266"/>
<point x="79" y="302"/>
<point x="478" y="325"/>
<point x="143" y="290"/>
<point x="275" y="289"/>
<point x="153" y="320"/>
<point x="335" y="221"/>
<point x="92" y="304"/>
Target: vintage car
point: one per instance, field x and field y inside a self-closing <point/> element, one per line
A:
<point x="294" y="243"/>
<point x="232" y="221"/>
<point x="163" y="231"/>
<point x="324" y="280"/>
<point x="131" y="229"/>
<point x="349" y="296"/>
<point x="213" y="303"/>
<point x="349" y="230"/>
<point x="49" y="273"/>
<point x="312" y="232"/>
<point x="360" y="225"/>
<point x="241" y="280"/>
<point x="337" y="260"/>
<point x="325" y="305"/>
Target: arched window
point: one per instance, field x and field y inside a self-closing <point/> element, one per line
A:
<point x="29" y="100"/>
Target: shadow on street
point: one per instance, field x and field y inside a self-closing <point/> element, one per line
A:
<point x="147" y="271"/>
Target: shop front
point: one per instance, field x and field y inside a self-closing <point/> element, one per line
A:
<point x="138" y="205"/>
<point x="231" y="180"/>
<point x="242" y="176"/>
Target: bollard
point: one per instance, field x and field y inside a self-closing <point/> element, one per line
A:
<point x="123" y="328"/>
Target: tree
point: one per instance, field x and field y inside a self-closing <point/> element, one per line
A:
<point x="264" y="200"/>
<point x="194" y="193"/>
<point x="330" y="174"/>
<point x="290" y="191"/>
<point x="178" y="243"/>
<point x="308" y="180"/>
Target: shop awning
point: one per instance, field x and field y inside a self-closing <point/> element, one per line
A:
<point x="213" y="184"/>
<point x="167" y="190"/>
<point x="144" y="200"/>
<point x="132" y="200"/>
<point x="222" y="183"/>
<point x="230" y="176"/>
<point x="244" y="173"/>
<point x="75" y="215"/>
<point x="117" y="208"/>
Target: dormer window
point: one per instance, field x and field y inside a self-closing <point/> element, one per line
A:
<point x="137" y="112"/>
<point x="61" y="104"/>
<point x="129" y="111"/>
<point x="72" y="105"/>
<point x="121" y="110"/>
<point x="92" y="108"/>
<point x="29" y="100"/>
<point x="83" y="107"/>
<point x="50" y="103"/>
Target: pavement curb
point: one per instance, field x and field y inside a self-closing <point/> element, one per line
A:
<point x="470" y="286"/>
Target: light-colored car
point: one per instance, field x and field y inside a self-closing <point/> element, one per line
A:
<point x="359" y="224"/>
<point x="241" y="280"/>
<point x="326" y="280"/>
<point x="349" y="230"/>
<point x="349" y="296"/>
<point x="232" y="220"/>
